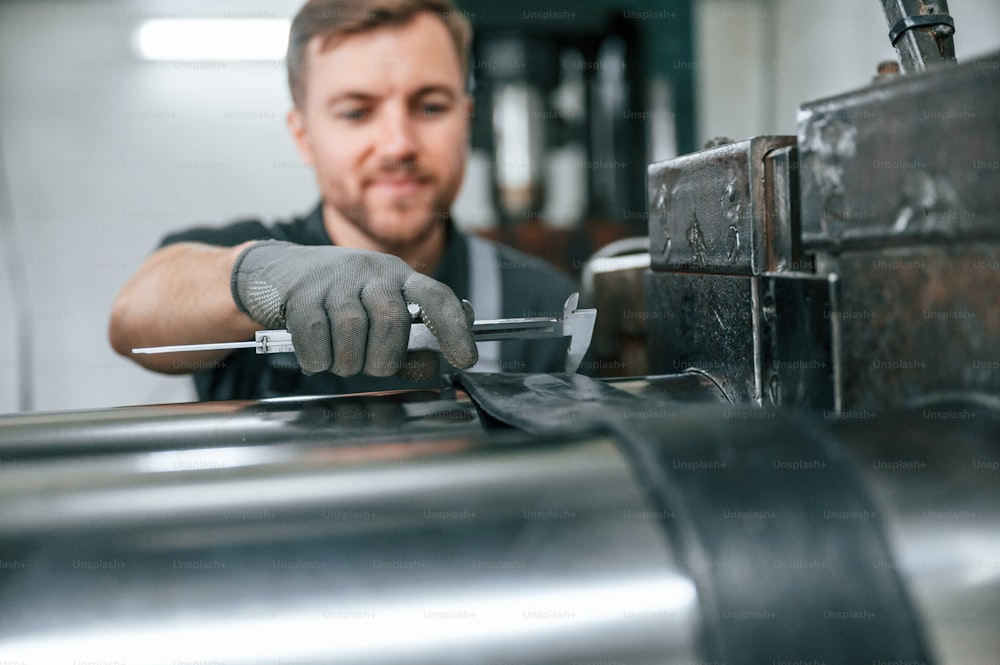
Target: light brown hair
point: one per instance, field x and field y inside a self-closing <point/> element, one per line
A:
<point x="329" y="19"/>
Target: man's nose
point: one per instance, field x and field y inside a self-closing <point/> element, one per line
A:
<point x="397" y="136"/>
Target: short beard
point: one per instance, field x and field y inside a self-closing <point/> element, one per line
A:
<point x="358" y="216"/>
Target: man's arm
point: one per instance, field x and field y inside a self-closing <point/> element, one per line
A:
<point x="346" y="309"/>
<point x="180" y="295"/>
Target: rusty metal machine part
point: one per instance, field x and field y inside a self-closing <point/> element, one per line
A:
<point x="921" y="31"/>
<point x="870" y="282"/>
<point x="899" y="201"/>
<point x="902" y="163"/>
<point x="706" y="209"/>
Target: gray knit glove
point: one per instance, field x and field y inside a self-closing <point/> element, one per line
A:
<point x="346" y="308"/>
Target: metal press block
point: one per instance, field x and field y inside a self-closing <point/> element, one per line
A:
<point x="708" y="210"/>
<point x="909" y="161"/>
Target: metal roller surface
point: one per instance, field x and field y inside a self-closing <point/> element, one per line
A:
<point x="628" y="528"/>
<point x="235" y="423"/>
<point x="934" y="479"/>
<point x="429" y="550"/>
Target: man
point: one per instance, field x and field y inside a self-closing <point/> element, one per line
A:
<point x="382" y="115"/>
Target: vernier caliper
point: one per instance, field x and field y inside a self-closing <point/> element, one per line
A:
<point x="577" y="324"/>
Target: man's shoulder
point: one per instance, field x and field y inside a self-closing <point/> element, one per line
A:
<point x="299" y="230"/>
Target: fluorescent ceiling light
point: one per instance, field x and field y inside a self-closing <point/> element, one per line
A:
<point x="213" y="39"/>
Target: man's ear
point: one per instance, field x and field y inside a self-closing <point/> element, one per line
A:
<point x="296" y="122"/>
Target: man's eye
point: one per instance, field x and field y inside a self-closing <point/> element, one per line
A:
<point x="434" y="109"/>
<point x="354" y="114"/>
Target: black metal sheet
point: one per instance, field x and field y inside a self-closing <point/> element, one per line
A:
<point x="754" y="499"/>
<point x="545" y="403"/>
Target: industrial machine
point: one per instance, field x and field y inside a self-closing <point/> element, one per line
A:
<point x="807" y="474"/>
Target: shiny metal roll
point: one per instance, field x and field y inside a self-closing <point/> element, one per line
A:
<point x="626" y="528"/>
<point x="433" y="550"/>
<point x="935" y="478"/>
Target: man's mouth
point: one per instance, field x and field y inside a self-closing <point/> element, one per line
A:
<point x="397" y="185"/>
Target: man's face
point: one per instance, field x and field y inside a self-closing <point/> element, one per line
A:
<point x="384" y="122"/>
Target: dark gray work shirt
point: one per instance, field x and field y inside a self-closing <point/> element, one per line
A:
<point x="530" y="288"/>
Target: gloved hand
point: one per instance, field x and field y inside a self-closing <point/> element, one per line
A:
<point x="346" y="308"/>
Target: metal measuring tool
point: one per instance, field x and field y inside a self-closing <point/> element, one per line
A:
<point x="577" y="324"/>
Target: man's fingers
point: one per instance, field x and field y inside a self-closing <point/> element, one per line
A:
<point x="346" y="308"/>
<point x="311" y="335"/>
<point x="389" y="330"/>
<point x="445" y="318"/>
<point x="349" y="336"/>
